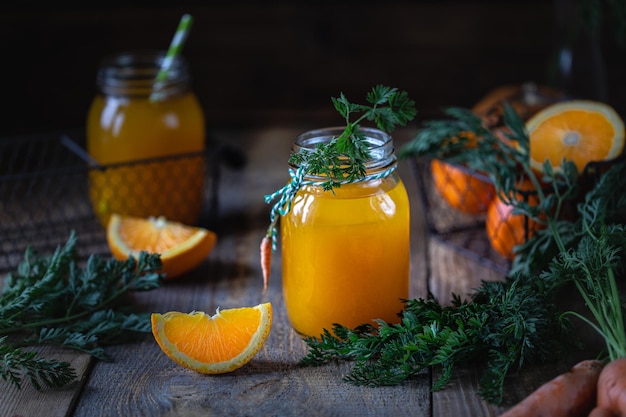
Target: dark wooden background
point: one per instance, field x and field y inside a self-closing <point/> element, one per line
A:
<point x="265" y="63"/>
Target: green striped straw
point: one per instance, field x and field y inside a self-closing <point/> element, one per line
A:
<point x="182" y="31"/>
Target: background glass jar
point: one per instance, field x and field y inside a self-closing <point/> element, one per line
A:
<point x="345" y="252"/>
<point x="147" y="140"/>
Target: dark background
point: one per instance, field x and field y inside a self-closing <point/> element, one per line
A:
<point x="262" y="64"/>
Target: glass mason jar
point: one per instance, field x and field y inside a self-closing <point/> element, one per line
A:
<point x="147" y="140"/>
<point x="345" y="252"/>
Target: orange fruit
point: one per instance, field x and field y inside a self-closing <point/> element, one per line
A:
<point x="460" y="188"/>
<point x="505" y="229"/>
<point x="580" y="131"/>
<point x="213" y="344"/>
<point x="182" y="247"/>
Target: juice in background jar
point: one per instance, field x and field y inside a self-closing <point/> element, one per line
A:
<point x="346" y="254"/>
<point x="127" y="126"/>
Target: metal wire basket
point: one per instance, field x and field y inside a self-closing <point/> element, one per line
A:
<point x="467" y="233"/>
<point x="45" y="194"/>
<point x="463" y="232"/>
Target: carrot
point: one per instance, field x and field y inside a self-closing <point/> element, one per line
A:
<point x="266" y="260"/>
<point x="602" y="412"/>
<point x="571" y="394"/>
<point x="612" y="387"/>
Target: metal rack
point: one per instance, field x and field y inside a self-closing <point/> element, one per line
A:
<point x="44" y="195"/>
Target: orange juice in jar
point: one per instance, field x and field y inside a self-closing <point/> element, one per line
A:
<point x="345" y="252"/>
<point x="147" y="140"/>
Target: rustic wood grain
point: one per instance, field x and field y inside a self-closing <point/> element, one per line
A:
<point x="141" y="380"/>
<point x="459" y="398"/>
<point x="57" y="402"/>
<point x="454" y="272"/>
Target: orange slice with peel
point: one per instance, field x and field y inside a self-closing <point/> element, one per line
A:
<point x="580" y="131"/>
<point x="214" y="344"/>
<point x="182" y="247"/>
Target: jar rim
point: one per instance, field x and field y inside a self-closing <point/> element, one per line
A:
<point x="376" y="137"/>
<point x="380" y="144"/>
<point x="134" y="73"/>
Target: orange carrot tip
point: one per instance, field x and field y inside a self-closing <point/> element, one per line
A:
<point x="570" y="394"/>
<point x="266" y="260"/>
<point x="612" y="388"/>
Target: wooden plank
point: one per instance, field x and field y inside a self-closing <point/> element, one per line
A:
<point x="454" y="272"/>
<point x="143" y="381"/>
<point x="451" y="271"/>
<point x="457" y="263"/>
<point x="460" y="398"/>
<point x="57" y="402"/>
<point x="419" y="236"/>
<point x="272" y="384"/>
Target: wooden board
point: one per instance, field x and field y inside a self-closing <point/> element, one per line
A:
<point x="28" y="401"/>
<point x="454" y="272"/>
<point x="141" y="380"/>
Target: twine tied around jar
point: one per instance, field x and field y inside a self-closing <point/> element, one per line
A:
<point x="287" y="193"/>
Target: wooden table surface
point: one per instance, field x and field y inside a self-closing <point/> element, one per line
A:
<point x="142" y="381"/>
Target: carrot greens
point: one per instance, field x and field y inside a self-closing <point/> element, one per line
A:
<point x="593" y="262"/>
<point x="343" y="158"/>
<point x="52" y="300"/>
<point x="504" y="325"/>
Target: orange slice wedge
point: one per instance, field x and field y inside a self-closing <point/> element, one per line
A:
<point x="580" y="131"/>
<point x="214" y="344"/>
<point x="182" y="248"/>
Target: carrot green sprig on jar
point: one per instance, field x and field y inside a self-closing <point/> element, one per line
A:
<point x="343" y="204"/>
<point x="342" y="160"/>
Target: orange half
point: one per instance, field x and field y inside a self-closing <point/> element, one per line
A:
<point x="214" y="344"/>
<point x="580" y="131"/>
<point x="182" y="247"/>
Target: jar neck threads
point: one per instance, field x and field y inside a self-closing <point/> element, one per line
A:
<point x="133" y="74"/>
<point x="379" y="145"/>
